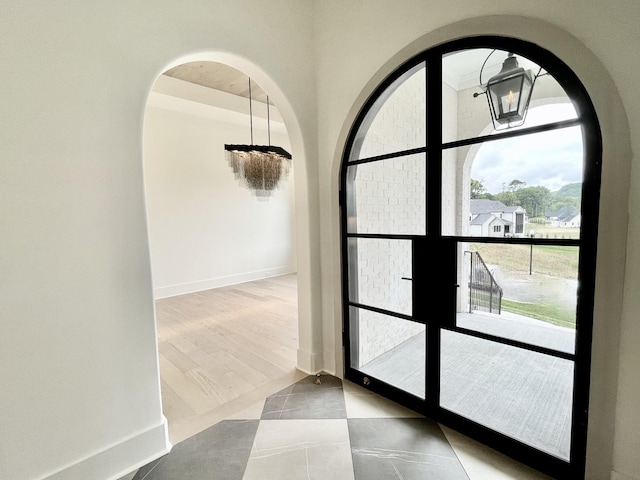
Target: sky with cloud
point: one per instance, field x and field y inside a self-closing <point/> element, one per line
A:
<point x="550" y="159"/>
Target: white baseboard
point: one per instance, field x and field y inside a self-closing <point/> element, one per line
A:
<point x="308" y="362"/>
<point x="329" y="363"/>
<point x="118" y="460"/>
<point x="191" y="287"/>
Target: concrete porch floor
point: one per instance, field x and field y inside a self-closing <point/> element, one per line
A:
<point x="523" y="394"/>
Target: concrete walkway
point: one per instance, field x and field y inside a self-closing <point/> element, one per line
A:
<point x="523" y="394"/>
<point x="523" y="329"/>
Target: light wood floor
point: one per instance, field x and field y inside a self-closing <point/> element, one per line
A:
<point x="224" y="349"/>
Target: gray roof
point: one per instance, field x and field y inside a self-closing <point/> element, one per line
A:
<point x="563" y="214"/>
<point x="483" y="218"/>
<point x="482" y="205"/>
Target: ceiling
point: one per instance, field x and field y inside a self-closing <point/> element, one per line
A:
<point x="219" y="77"/>
<point x="460" y="70"/>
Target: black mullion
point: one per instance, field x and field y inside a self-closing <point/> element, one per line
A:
<point x="400" y="236"/>
<point x="433" y="223"/>
<point x="387" y="156"/>
<point x="382" y="311"/>
<point x="513" y="343"/>
<point x="512" y="133"/>
<point x="434" y="146"/>
<point x="550" y="242"/>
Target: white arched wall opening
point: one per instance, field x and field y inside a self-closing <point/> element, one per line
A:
<point x="309" y="342"/>
<point x="617" y="157"/>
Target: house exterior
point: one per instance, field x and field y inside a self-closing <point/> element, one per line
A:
<point x="492" y="218"/>
<point x="565" y="217"/>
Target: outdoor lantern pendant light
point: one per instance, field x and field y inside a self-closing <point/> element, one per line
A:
<point x="258" y="167"/>
<point x="508" y="93"/>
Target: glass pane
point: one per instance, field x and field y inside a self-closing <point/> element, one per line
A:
<point x="387" y="196"/>
<point x="517" y="187"/>
<point x="521" y="292"/>
<point x="397" y="120"/>
<point x="522" y="394"/>
<point x="391" y="349"/>
<point x="467" y="116"/>
<point x="380" y="272"/>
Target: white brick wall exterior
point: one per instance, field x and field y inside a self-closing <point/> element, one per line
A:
<point x="390" y="199"/>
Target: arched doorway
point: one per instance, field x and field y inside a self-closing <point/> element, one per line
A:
<point x="427" y="322"/>
<point x="223" y="258"/>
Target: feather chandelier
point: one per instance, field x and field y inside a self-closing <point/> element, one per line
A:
<point x="259" y="168"/>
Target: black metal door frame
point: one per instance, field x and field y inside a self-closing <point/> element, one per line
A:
<point x="432" y="247"/>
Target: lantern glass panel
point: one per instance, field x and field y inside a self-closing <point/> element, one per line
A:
<point x="506" y="99"/>
<point x="510" y="98"/>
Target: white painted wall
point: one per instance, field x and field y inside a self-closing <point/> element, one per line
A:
<point x="80" y="393"/>
<point x="205" y="229"/>
<point x="78" y="363"/>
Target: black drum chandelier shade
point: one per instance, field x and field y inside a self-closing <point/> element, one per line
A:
<point x="259" y="167"/>
<point x="508" y="93"/>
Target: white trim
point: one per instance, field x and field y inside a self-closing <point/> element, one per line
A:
<point x="216" y="282"/>
<point x="309" y="362"/>
<point x="329" y="363"/>
<point x="121" y="458"/>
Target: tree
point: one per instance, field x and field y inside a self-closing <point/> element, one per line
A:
<point x="535" y="200"/>
<point x="508" y="198"/>
<point x="477" y="189"/>
<point x="514" y="185"/>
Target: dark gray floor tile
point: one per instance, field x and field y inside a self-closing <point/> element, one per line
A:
<point x="219" y="453"/>
<point x="407" y="448"/>
<point x="307" y="399"/>
<point x="309" y="384"/>
<point x="142" y="473"/>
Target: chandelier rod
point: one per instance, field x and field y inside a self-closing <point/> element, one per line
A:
<point x="268" y="122"/>
<point x="250" y="112"/>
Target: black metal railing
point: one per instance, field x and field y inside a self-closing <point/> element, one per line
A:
<point x="484" y="292"/>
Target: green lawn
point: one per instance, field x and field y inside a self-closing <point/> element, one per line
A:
<point x="547" y="231"/>
<point x="516" y="260"/>
<point x="557" y="261"/>
<point x="547" y="313"/>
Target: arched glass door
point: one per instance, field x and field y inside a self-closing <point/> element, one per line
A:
<point x="469" y="249"/>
